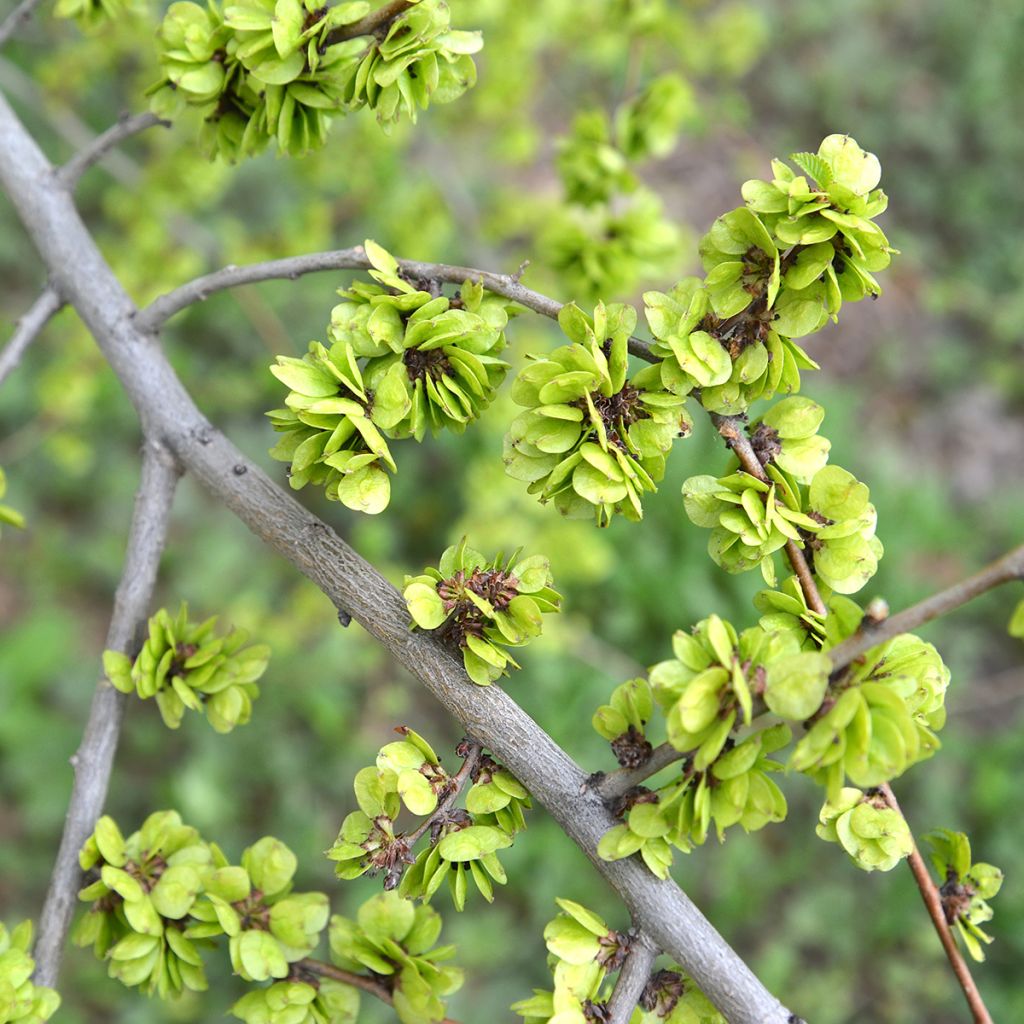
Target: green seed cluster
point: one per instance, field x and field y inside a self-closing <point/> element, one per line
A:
<point x="592" y="441"/>
<point x="612" y="232"/>
<point x="875" y="835"/>
<point x="965" y="888"/>
<point x="186" y="666"/>
<point x="459" y="845"/>
<point x="830" y="517"/>
<point x="584" y="955"/>
<point x="92" y="14"/>
<point x="401" y="362"/>
<point x="776" y="269"/>
<point x="397" y="942"/>
<point x="21" y="1000"/>
<point x="879" y="719"/>
<point x="484" y="606"/>
<point x="278" y="70"/>
<point x="163" y="896"/>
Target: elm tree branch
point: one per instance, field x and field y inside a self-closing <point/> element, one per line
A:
<point x="488" y="715"/>
<point x="933" y="902"/>
<point x="372" y="986"/>
<point x="95" y="757"/>
<point x="124" y="128"/>
<point x="612" y="785"/>
<point x="632" y="980"/>
<point x="374" y="23"/>
<point x="13" y="21"/>
<point x="1004" y="570"/>
<point x="28" y="329"/>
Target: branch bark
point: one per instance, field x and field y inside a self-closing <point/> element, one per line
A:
<point x="125" y="127"/>
<point x="933" y="903"/>
<point x="95" y="757"/>
<point x="632" y="980"/>
<point x="612" y="785"/>
<point x="1004" y="570"/>
<point x="13" y="21"/>
<point x="28" y="329"/>
<point x="375" y="21"/>
<point x="488" y="715"/>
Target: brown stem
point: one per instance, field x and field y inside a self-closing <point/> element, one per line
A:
<point x="124" y="128"/>
<point x="731" y="429"/>
<point x="373" y="22"/>
<point x="375" y="987"/>
<point x="458" y="783"/>
<point x="933" y="902"/>
<point x="1004" y="570"/>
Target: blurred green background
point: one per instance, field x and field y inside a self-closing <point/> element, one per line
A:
<point x="924" y="391"/>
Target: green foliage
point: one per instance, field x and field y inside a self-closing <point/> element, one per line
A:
<point x="875" y="835"/>
<point x="277" y="70"/>
<point x="591" y="440"/>
<point x="777" y="269"/>
<point x="750" y="519"/>
<point x="583" y="955"/>
<point x="402" y="361"/>
<point x="398" y="941"/>
<point x="461" y="845"/>
<point x="879" y="719"/>
<point x="299" y="1002"/>
<point x="1014" y="628"/>
<point x="22" y="1001"/>
<point x="7" y="514"/>
<point x="186" y="666"/>
<point x="966" y="887"/>
<point x="483" y="605"/>
<point x="93" y="14"/>
<point x="163" y="895"/>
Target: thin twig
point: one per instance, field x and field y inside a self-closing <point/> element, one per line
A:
<point x="458" y="783"/>
<point x="95" y="757"/>
<point x="731" y="429"/>
<point x="374" y="22"/>
<point x="373" y="986"/>
<point x="1004" y="570"/>
<point x="163" y="308"/>
<point x="632" y="980"/>
<point x="28" y="329"/>
<point x="125" y="127"/>
<point x="932" y="900"/>
<point x="612" y="785"/>
<point x="13" y="21"/>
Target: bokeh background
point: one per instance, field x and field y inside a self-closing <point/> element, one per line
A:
<point x="924" y="391"/>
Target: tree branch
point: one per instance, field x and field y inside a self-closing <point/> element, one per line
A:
<point x="612" y="785"/>
<point x="933" y="902"/>
<point x="1004" y="570"/>
<point x="374" y="22"/>
<point x="95" y="757"/>
<point x="292" y="267"/>
<point x="125" y="127"/>
<point x="27" y="330"/>
<point x="13" y="21"/>
<point x="488" y="715"/>
<point x="731" y="429"/>
<point x="632" y="980"/>
<point x="375" y="988"/>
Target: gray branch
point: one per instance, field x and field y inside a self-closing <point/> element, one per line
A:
<point x="13" y="21"/>
<point x="124" y="128"/>
<point x="95" y="757"/>
<point x="614" y="784"/>
<point x="632" y="980"/>
<point x="28" y="329"/>
<point x="1004" y="570"/>
<point x="488" y="715"/>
